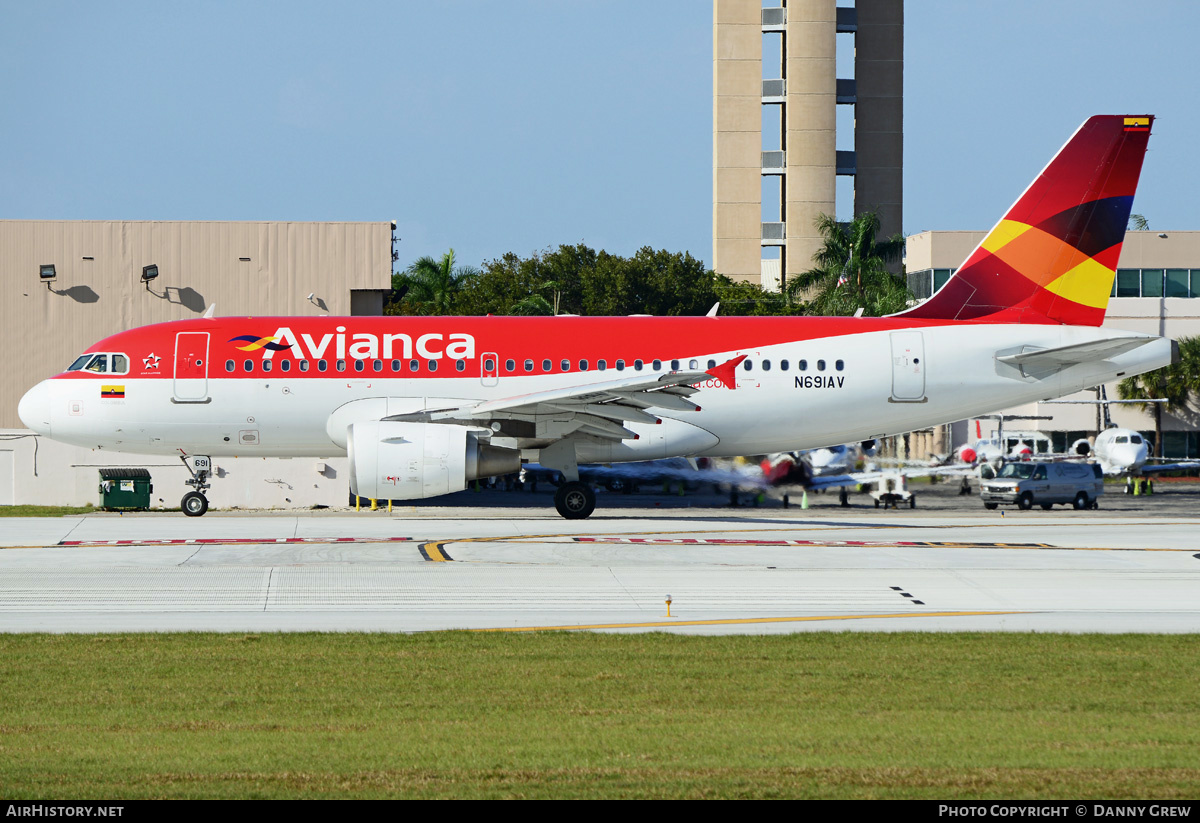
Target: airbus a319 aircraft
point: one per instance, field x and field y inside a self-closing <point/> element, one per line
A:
<point x="423" y="405"/>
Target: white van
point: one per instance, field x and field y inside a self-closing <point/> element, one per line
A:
<point x="1044" y="484"/>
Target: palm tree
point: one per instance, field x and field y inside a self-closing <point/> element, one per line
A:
<point x="430" y="286"/>
<point x="850" y="270"/>
<point x="1177" y="384"/>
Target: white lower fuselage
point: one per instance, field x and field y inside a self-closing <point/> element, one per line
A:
<point x="890" y="381"/>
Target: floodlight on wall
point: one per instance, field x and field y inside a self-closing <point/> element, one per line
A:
<point x="149" y="273"/>
<point x="47" y="274"/>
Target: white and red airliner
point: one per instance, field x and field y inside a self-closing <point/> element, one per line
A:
<point x="423" y="405"/>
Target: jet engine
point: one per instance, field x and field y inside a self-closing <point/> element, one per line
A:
<point x="406" y="461"/>
<point x="1081" y="447"/>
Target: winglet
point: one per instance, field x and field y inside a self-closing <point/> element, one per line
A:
<point x="713" y="311"/>
<point x="208" y="314"/>
<point x="726" y="372"/>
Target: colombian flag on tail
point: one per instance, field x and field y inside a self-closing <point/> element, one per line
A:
<point x="1053" y="257"/>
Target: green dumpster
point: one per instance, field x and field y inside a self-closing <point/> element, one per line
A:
<point x="124" y="488"/>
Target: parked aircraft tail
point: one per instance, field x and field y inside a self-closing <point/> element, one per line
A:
<point x="1053" y="257"/>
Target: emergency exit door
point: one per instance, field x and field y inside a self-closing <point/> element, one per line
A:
<point x="191" y="367"/>
<point x="908" y="367"/>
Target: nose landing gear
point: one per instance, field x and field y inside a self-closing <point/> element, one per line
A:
<point x="194" y="503"/>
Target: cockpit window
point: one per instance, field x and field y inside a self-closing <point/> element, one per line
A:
<point x="101" y="363"/>
<point x="1134" y="438"/>
<point x="1122" y="439"/>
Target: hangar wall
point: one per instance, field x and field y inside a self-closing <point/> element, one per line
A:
<point x="244" y="268"/>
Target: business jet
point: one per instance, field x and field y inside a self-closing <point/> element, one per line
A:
<point x="423" y="405"/>
<point x="1125" y="453"/>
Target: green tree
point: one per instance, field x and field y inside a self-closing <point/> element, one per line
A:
<point x="1178" y="384"/>
<point x="429" y="286"/>
<point x="850" y="270"/>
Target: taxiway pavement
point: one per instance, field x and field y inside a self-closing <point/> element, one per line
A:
<point x="947" y="566"/>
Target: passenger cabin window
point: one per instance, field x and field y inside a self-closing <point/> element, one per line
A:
<point x="637" y="365"/>
<point x="489" y="364"/>
<point x="340" y="365"/>
<point x="510" y="365"/>
<point x="459" y="365"/>
<point x="359" y="365"/>
<point x="248" y="365"/>
<point x="602" y="364"/>
<point x="565" y="365"/>
<point x="712" y="364"/>
<point x="766" y="365"/>
<point x="414" y="365"/>
<point x="747" y="364"/>
<point x="528" y="365"/>
<point x="657" y="365"/>
<point x="620" y="365"/>
<point x="839" y="364"/>
<point x="783" y="365"/>
<point x="303" y="365"/>
<point x="395" y="365"/>
<point x="322" y="365"/>
<point x="547" y="365"/>
<point x="432" y="364"/>
<point x="230" y="365"/>
<point x="266" y="365"/>
<point x="820" y="365"/>
<point x="285" y="365"/>
<point x="377" y="365"/>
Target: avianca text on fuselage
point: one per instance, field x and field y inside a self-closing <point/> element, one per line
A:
<point x="366" y="345"/>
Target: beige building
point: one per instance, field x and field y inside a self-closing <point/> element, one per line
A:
<point x="68" y="284"/>
<point x="1157" y="291"/>
<point x="776" y="152"/>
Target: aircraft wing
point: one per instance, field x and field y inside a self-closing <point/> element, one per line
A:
<point x="1156" y="468"/>
<point x="856" y="478"/>
<point x="1061" y="357"/>
<point x="598" y="409"/>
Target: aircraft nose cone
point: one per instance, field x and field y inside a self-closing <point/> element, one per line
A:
<point x="34" y="409"/>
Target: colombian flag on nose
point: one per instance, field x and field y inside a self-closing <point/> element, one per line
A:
<point x="112" y="392"/>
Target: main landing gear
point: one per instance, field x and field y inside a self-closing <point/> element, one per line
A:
<point x="194" y="503"/>
<point x="575" y="500"/>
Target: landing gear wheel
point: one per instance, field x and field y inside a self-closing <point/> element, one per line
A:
<point x="1025" y="501"/>
<point x="912" y="502"/>
<point x="1081" y="501"/>
<point x="990" y="505"/>
<point x="1048" y="506"/>
<point x="575" y="500"/>
<point x="194" y="504"/>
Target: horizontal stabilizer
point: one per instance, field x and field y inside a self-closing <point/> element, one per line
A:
<point x="1061" y="357"/>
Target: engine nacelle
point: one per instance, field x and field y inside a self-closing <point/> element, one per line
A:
<point x="408" y="461"/>
<point x="1081" y="447"/>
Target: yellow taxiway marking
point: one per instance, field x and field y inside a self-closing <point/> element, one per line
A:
<point x="733" y="621"/>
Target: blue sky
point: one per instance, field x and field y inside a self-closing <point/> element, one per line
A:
<point x="493" y="127"/>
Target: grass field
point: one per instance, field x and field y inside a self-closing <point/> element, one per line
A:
<point x="597" y="715"/>
<point x="44" y="511"/>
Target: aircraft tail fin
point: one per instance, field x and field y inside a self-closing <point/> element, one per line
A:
<point x="1054" y="256"/>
